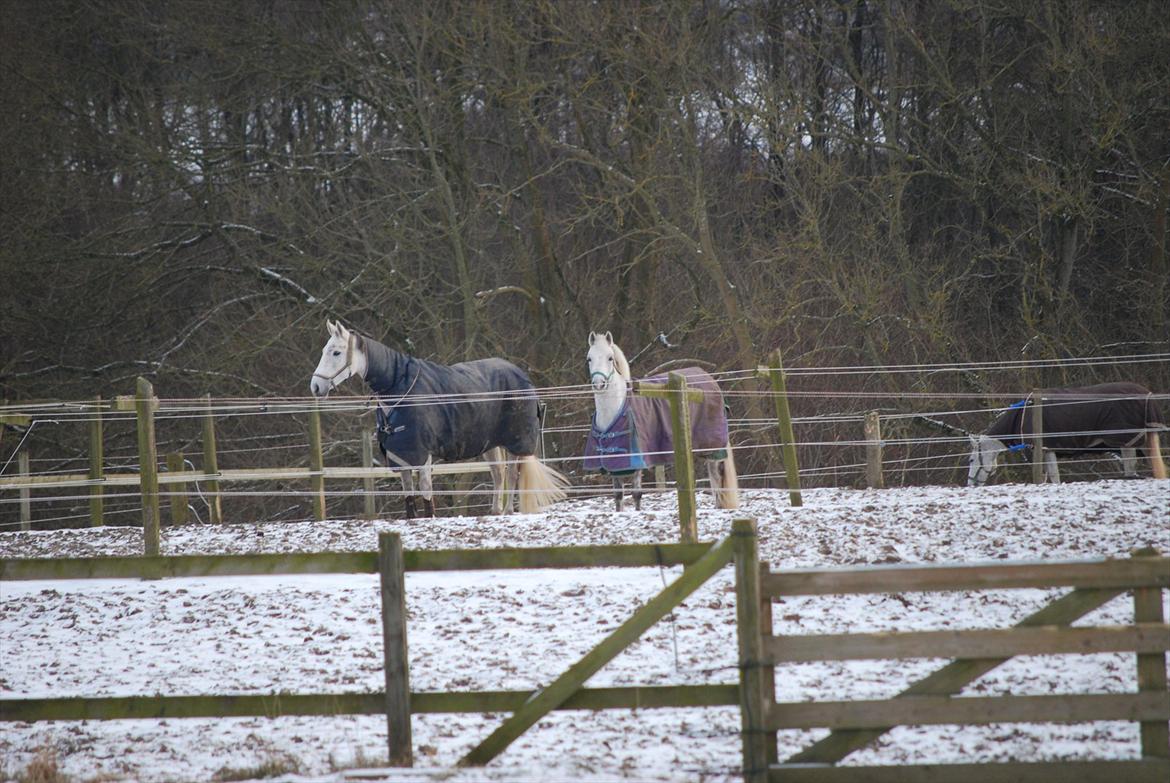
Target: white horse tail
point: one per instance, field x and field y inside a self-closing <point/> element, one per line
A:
<point x="540" y="485"/>
<point x="1154" y="452"/>
<point x="724" y="480"/>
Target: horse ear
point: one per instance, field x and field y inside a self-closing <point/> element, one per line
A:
<point x="592" y="337"/>
<point x="609" y="337"/>
<point x="332" y="327"/>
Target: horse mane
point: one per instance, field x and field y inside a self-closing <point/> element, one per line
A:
<point x="619" y="361"/>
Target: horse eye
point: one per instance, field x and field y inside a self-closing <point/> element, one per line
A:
<point x="337" y="353"/>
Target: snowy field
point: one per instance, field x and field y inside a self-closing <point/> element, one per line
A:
<point x="517" y="630"/>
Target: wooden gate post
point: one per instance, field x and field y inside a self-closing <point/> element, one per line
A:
<point x="753" y="731"/>
<point x="784" y="423"/>
<point x="768" y="675"/>
<point x="873" y="450"/>
<point x="1037" y="437"/>
<point x="1151" y="669"/>
<point x="22" y="467"/>
<point x="395" y="664"/>
<point x="211" y="464"/>
<point x="96" y="447"/>
<point x="144" y="405"/>
<point x="177" y="491"/>
<point x="368" y="499"/>
<point x="316" y="462"/>
<point x="684" y="458"/>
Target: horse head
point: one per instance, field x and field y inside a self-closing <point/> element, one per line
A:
<point x="343" y="355"/>
<point x="605" y="362"/>
<point x="985" y="451"/>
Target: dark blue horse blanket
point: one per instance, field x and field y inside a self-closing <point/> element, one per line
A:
<point x="452" y="413"/>
<point x="1101" y="418"/>
<point x="640" y="437"/>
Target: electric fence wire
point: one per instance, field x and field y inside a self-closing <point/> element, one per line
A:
<point x="199" y="407"/>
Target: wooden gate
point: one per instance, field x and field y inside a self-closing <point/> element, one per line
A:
<point x="932" y="700"/>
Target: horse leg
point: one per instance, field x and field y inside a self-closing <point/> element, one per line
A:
<point x="408" y="489"/>
<point x="1051" y="471"/>
<point x="426" y="488"/>
<point x="617" y="493"/>
<point x="715" y="474"/>
<point x="512" y="497"/>
<point x="496" y="466"/>
<point x="1154" y="455"/>
<point x="1129" y="463"/>
<point x="724" y="480"/>
<point x="638" y="490"/>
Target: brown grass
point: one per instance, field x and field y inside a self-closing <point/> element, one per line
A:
<point x="275" y="764"/>
<point x="42" y="769"/>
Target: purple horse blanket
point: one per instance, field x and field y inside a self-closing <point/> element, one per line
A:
<point x="640" y="437"/>
<point x="1105" y="417"/>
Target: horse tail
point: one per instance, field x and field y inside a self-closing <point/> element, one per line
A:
<point x="540" y="485"/>
<point x="727" y="492"/>
<point x="1154" y="452"/>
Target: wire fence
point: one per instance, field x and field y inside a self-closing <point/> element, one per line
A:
<point x="255" y="433"/>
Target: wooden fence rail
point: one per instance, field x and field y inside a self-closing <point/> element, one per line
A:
<point x="506" y="558"/>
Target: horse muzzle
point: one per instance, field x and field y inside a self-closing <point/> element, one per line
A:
<point x="319" y="387"/>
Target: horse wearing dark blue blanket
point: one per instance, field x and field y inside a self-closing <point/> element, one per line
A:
<point x="429" y="411"/>
<point x="630" y="432"/>
<point x="1107" y="417"/>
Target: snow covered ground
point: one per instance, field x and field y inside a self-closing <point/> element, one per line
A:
<point x="515" y="630"/>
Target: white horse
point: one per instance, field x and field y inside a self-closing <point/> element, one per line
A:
<point x="609" y="375"/>
<point x="485" y="408"/>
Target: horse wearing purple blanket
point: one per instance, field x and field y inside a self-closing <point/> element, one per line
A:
<point x="631" y="432"/>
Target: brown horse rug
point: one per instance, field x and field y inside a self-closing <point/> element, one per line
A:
<point x="1104" y="417"/>
<point x="640" y="437"/>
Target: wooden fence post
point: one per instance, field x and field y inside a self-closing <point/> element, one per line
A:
<point x="1151" y="669"/>
<point x="873" y="450"/>
<point x="211" y="465"/>
<point x="368" y="498"/>
<point x="784" y="423"/>
<point x="144" y="405"/>
<point x="1037" y="437"/>
<point x="751" y="651"/>
<point x="96" y="456"/>
<point x="684" y="458"/>
<point x="660" y="477"/>
<point x="316" y="462"/>
<point x="22" y="467"/>
<point x="177" y="493"/>
<point x="395" y="664"/>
